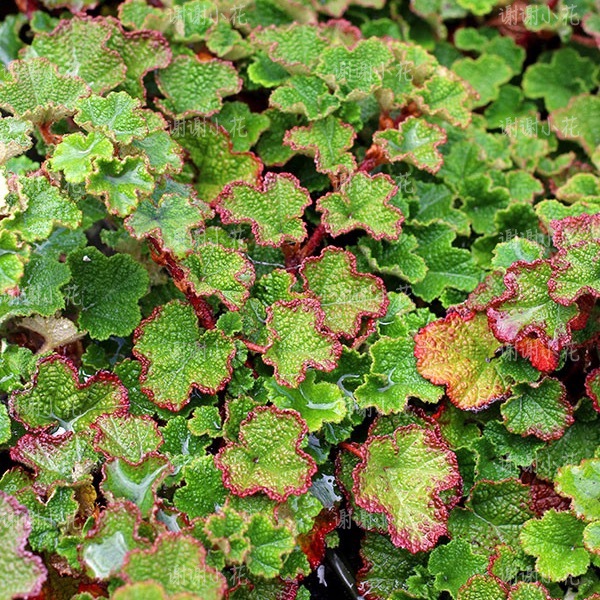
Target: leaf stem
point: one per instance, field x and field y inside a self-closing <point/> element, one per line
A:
<point x="353" y="448"/>
<point x="253" y="347"/>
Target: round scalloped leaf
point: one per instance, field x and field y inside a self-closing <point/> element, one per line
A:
<point x="274" y="209"/>
<point x="170" y="221"/>
<point x="482" y="587"/>
<point x="203" y="489"/>
<point x="78" y="47"/>
<point x="178" y="563"/>
<point x="415" y="141"/>
<point x="317" y="403"/>
<point x="176" y="357"/>
<point x="118" y="116"/>
<point x="68" y="458"/>
<point x="120" y="183"/>
<point x="107" y="290"/>
<point x="402" y="475"/>
<point x="36" y="92"/>
<point x="22" y="573"/>
<point x="213" y="269"/>
<point x="345" y="295"/>
<point x="581" y="483"/>
<point x="485" y="74"/>
<point x="115" y="533"/>
<point x="304" y="95"/>
<point x="76" y="152"/>
<point x="137" y="483"/>
<point x="327" y="141"/>
<point x="44" y="207"/>
<point x="591" y="538"/>
<point x="539" y="409"/>
<point x="14" y="138"/>
<point x="56" y="398"/>
<point x="556" y="540"/>
<point x="211" y="152"/>
<point x="459" y="352"/>
<point x="126" y="436"/>
<point x="363" y="202"/>
<point x="296" y="340"/>
<point x="195" y="88"/>
<point x="268" y="458"/>
<point x="268" y="544"/>
<point x="579" y="121"/>
<point x="494" y="514"/>
<point x="526" y="308"/>
<point x="528" y="591"/>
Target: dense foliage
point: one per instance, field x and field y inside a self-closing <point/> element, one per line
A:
<point x="299" y="299"/>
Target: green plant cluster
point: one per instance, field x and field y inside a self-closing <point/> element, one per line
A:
<point x="287" y="280"/>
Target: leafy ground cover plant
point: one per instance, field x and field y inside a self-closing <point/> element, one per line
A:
<point x="299" y="300"/>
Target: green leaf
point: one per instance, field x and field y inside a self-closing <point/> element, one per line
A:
<point x="580" y="187"/>
<point x="24" y="573"/>
<point x="36" y="92"/>
<point x="565" y="76"/>
<point x="480" y="587"/>
<point x="107" y="290"/>
<point x="317" y="403"/>
<point x="345" y="295"/>
<point x="57" y="398"/>
<point x="44" y="207"/>
<point x="268" y="457"/>
<point x="211" y="152"/>
<point x="296" y="341"/>
<point x="76" y="153"/>
<point x="454" y="564"/>
<point x="203" y="490"/>
<point x="459" y="352"/>
<point x="556" y="540"/>
<point x="304" y="95"/>
<point x="195" y="88"/>
<point x="117" y="116"/>
<point x="578" y="121"/>
<point x="526" y="307"/>
<point x="115" y="534"/>
<point x="327" y="141"/>
<point x="14" y="138"/>
<point x="12" y="259"/>
<point x="485" y="74"/>
<point x="415" y="141"/>
<point x="493" y="514"/>
<point x="402" y="475"/>
<point x="581" y="484"/>
<point x="213" y="269"/>
<point x="177" y="357"/>
<point x="274" y="209"/>
<point x="363" y="202"/>
<point x="120" y="183"/>
<point x="78" y="48"/>
<point x="177" y="562"/>
<point x="447" y="266"/>
<point x="137" y="483"/>
<point x="126" y="436"/>
<point x="481" y="201"/>
<point x="170" y="220"/>
<point x="268" y="543"/>
<point x="538" y="409"/>
<point x="243" y="126"/>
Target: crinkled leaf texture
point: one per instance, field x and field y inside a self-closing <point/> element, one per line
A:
<point x="402" y="476"/>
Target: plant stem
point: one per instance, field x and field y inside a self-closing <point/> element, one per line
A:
<point x="352" y="447"/>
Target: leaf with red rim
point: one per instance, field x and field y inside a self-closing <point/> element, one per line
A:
<point x="297" y="341"/>
<point x="195" y="88"/>
<point x="57" y="398"/>
<point x="363" y="202"/>
<point x="268" y="457"/>
<point x="572" y="231"/>
<point x="526" y="308"/>
<point x="345" y="295"/>
<point x="402" y="475"/>
<point x="178" y="563"/>
<point x="274" y="209"/>
<point x="415" y="141"/>
<point x="580" y="483"/>
<point x="213" y="269"/>
<point x="23" y="572"/>
<point x="592" y="386"/>
<point x="327" y="141"/>
<point x="459" y="352"/>
<point x="539" y="409"/>
<point x="177" y="357"/>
